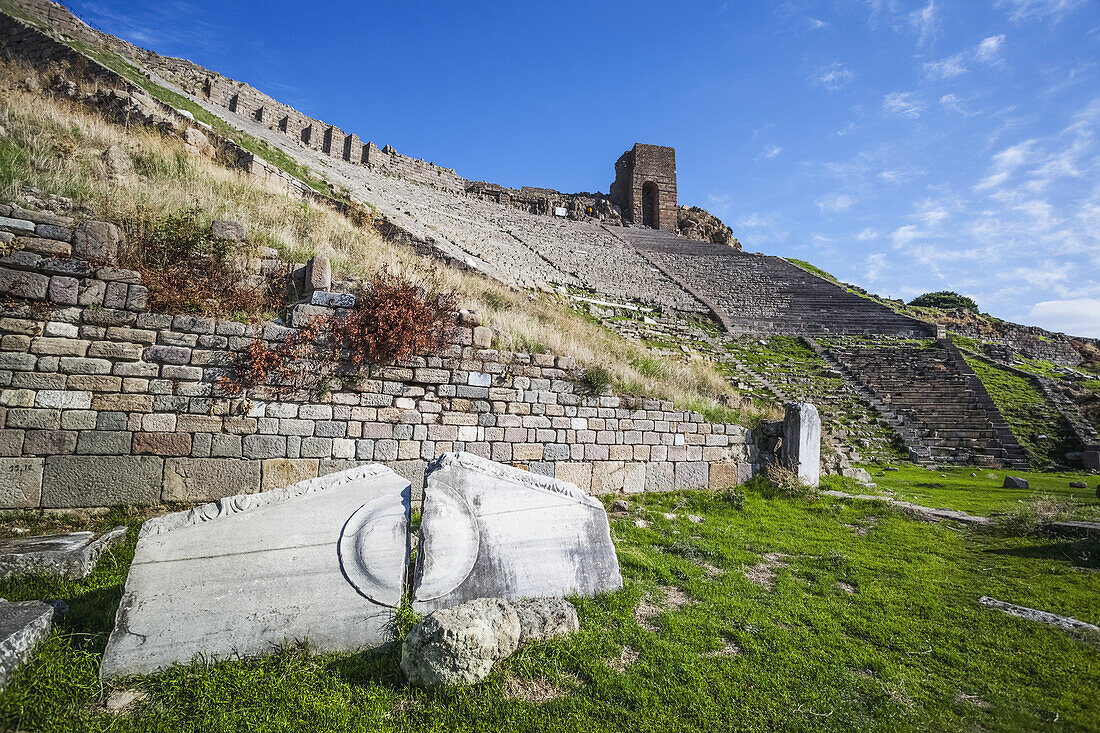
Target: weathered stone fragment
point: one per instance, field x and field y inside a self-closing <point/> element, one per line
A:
<point x="460" y="645"/>
<point x="97" y="241"/>
<point x="205" y="479"/>
<point x="20" y="480"/>
<point x="492" y="531"/>
<point x="318" y="274"/>
<point x="224" y="229"/>
<point x="23" y="626"/>
<point x="322" y="560"/>
<point x="71" y="556"/>
<point x="101" y="480"/>
<point x="1015" y="482"/>
<point x="802" y="441"/>
<point x="541" y="619"/>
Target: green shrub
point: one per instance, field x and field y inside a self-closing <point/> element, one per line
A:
<point x="945" y="300"/>
<point x="596" y="380"/>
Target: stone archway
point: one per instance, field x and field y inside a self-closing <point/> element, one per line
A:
<point x="651" y="205"/>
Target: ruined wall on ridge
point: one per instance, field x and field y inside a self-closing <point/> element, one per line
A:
<point x="104" y="403"/>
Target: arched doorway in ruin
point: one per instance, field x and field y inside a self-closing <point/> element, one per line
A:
<point x="650" y="205"/>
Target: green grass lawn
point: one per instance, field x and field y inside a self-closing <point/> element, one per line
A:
<point x="855" y="618"/>
<point x="983" y="493"/>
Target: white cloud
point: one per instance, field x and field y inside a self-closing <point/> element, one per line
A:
<point x="986" y="52"/>
<point x="815" y="23"/>
<point x="753" y="220"/>
<point x="772" y="151"/>
<point x="1020" y="11"/>
<point x="925" y="21"/>
<point x="903" y="104"/>
<point x="835" y="203"/>
<point x="867" y="235"/>
<point x="1076" y="316"/>
<point x="834" y="76"/>
<point x="989" y="49"/>
<point x="905" y="235"/>
<point x="719" y="202"/>
<point x="1005" y="164"/>
<point x="953" y="103"/>
<point x="874" y="266"/>
<point x="945" y="68"/>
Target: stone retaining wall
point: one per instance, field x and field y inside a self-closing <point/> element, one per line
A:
<point x="103" y="403"/>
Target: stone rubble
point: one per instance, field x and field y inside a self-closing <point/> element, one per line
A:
<point x="72" y="556"/>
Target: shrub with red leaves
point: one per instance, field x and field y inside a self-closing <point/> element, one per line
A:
<point x="394" y="319"/>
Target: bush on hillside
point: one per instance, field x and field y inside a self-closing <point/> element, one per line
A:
<point x="945" y="300"/>
<point x="188" y="271"/>
<point x="393" y="319"/>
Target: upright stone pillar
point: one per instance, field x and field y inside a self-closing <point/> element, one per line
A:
<point x="801" y="450"/>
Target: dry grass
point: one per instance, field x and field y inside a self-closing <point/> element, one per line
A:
<point x="56" y="145"/>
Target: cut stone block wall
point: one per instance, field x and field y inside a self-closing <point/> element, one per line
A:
<point x="103" y="403"/>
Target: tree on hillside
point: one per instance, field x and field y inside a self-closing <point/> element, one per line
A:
<point x="945" y="300"/>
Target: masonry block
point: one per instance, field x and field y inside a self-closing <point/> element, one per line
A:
<point x="206" y="479"/>
<point x="95" y="481"/>
<point x="20" y="483"/>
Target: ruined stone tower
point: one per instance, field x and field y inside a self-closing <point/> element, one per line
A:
<point x="645" y="186"/>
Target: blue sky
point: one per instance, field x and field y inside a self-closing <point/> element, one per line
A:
<point x="904" y="145"/>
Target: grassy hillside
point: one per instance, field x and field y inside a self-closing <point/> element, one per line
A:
<point x="56" y="146"/>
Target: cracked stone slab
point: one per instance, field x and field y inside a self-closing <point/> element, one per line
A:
<point x="492" y="531"/>
<point x="73" y="555"/>
<point x="23" y="626"/>
<point x="320" y="562"/>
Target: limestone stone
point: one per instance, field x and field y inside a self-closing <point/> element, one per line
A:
<point x="20" y="481"/>
<point x="489" y="530"/>
<point x="282" y="471"/>
<point x="460" y="645"/>
<point x="16" y="226"/>
<point x="97" y="241"/>
<point x="117" y="161"/>
<point x="73" y="555"/>
<point x="23" y="626"/>
<point x="92" y="481"/>
<point x="318" y="273"/>
<point x="802" y="441"/>
<point x="327" y="299"/>
<point x="224" y="229"/>
<point x="322" y="560"/>
<point x="1015" y="482"/>
<point x="205" y="479"/>
<point x="541" y="619"/>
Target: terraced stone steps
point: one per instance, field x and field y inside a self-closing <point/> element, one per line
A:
<point x="752" y="293"/>
<point x="936" y="403"/>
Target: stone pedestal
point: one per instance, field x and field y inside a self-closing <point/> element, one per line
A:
<point x="801" y="449"/>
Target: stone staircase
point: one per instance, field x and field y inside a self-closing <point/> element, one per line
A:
<point x="929" y="395"/>
<point x="760" y="294"/>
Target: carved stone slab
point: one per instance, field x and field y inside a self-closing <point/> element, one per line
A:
<point x="491" y="531"/>
<point x="73" y="555"/>
<point x="321" y="562"/>
<point x="801" y="449"/>
<point x="23" y="626"/>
